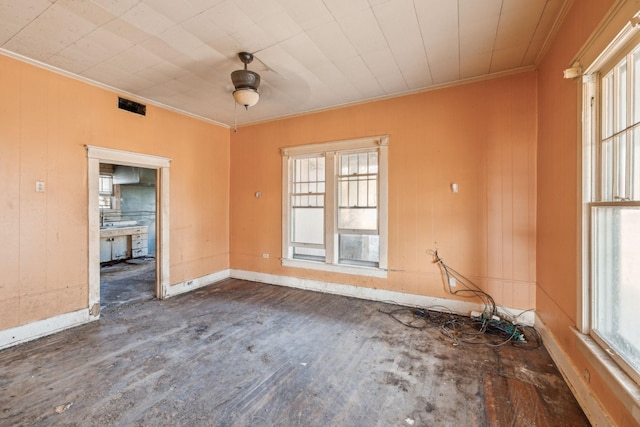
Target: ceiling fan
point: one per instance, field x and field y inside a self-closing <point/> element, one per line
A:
<point x="280" y="86"/>
<point x="246" y="83"/>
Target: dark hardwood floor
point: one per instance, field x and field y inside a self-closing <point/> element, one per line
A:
<point x="239" y="353"/>
<point x="131" y="280"/>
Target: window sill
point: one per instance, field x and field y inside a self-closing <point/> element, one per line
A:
<point x="346" y="269"/>
<point x="623" y="387"/>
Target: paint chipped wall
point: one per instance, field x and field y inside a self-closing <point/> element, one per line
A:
<point x="45" y="121"/>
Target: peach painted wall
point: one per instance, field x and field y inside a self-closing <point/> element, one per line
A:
<point x="45" y="121"/>
<point x="558" y="189"/>
<point x="480" y="135"/>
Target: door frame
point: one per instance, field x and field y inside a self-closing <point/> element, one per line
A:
<point x="97" y="155"/>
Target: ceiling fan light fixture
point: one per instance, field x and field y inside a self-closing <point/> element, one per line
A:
<point x="246" y="97"/>
<point x="246" y="83"/>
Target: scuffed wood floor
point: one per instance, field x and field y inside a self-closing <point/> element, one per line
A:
<point x="245" y="354"/>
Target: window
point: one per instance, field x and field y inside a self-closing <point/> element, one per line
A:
<point x="105" y="189"/>
<point x="335" y="206"/>
<point x="612" y="196"/>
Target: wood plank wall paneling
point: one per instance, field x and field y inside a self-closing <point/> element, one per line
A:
<point x="45" y="121"/>
<point x="481" y="136"/>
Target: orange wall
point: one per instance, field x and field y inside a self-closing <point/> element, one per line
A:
<point x="480" y="135"/>
<point x="45" y="121"/>
<point x="558" y="189"/>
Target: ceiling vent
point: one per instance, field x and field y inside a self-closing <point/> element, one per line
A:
<point x="132" y="106"/>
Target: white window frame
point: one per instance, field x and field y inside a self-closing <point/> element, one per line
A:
<point x="621" y="377"/>
<point x="331" y="150"/>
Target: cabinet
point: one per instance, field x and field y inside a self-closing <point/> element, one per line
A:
<point x="114" y="248"/>
<point x="123" y="242"/>
<point x="139" y="245"/>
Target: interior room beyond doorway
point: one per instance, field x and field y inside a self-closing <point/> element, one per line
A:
<point x="127" y="202"/>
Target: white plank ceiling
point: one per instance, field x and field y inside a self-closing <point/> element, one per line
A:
<point x="311" y="54"/>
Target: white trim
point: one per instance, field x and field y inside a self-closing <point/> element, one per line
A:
<point x="96" y="155"/>
<point x="623" y="387"/>
<point x="286" y="208"/>
<point x="199" y="282"/>
<point x="335" y="268"/>
<point x="585" y="195"/>
<point x="618" y="17"/>
<point x="382" y="295"/>
<point x="383" y="208"/>
<point x="329" y="150"/>
<point x="31" y="331"/>
<point x="93" y="245"/>
<point x="347" y="144"/>
<point x="597" y="414"/>
<point x="614" y="48"/>
<point x="163" y="177"/>
<point x="608" y="42"/>
<point x="41" y="328"/>
<point x="127" y="158"/>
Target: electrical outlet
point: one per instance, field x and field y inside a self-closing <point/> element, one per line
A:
<point x="265" y="256"/>
<point x="452" y="282"/>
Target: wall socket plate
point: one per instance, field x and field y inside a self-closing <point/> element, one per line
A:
<point x="452" y="282"/>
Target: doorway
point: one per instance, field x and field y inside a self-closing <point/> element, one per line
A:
<point x="133" y="201"/>
<point x="127" y="201"/>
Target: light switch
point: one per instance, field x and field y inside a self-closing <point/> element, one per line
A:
<point x="454" y="187"/>
<point x="39" y="186"/>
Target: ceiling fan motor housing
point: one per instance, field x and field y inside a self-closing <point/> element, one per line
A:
<point x="245" y="79"/>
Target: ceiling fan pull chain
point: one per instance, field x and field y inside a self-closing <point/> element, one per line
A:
<point x="235" y="117"/>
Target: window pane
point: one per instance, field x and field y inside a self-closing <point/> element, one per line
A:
<point x="359" y="249"/>
<point x="635" y="165"/>
<point x="307" y="202"/>
<point x="105" y="185"/>
<point x="319" y="165"/>
<point x="308" y="225"/>
<point x="304" y="169"/>
<point x="353" y="164"/>
<point x="607" y="105"/>
<point x="607" y="170"/>
<point x="621" y="167"/>
<point x="363" y="193"/>
<point x="636" y="87"/>
<point x="373" y="162"/>
<point x="104" y="202"/>
<point x="363" y="163"/>
<point x="616" y="280"/>
<point x="312" y="254"/>
<point x="358" y="218"/>
<point x="373" y="193"/>
<point x="621" y="97"/>
<point x="358" y="192"/>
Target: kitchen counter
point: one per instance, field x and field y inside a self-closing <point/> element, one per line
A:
<point x="117" y="243"/>
<point x="123" y="231"/>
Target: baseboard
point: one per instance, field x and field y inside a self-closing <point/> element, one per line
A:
<point x="190" y="285"/>
<point x="41" y="328"/>
<point x="591" y="406"/>
<point x="382" y="295"/>
<point x="19" y="334"/>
